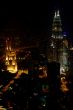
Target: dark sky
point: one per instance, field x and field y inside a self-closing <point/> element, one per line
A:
<point x="34" y="18"/>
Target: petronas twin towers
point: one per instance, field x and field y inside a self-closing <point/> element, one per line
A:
<point x="58" y="46"/>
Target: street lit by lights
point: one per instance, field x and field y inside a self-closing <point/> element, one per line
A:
<point x="64" y="83"/>
<point x="62" y="70"/>
<point x="1" y="86"/>
<point x="71" y="48"/>
<point x="10" y="88"/>
<point x="35" y="94"/>
<point x="2" y="108"/>
<point x="2" y="70"/>
<point x="43" y="70"/>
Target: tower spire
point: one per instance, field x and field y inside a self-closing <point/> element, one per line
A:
<point x="57" y="26"/>
<point x="8" y="44"/>
<point x="57" y="14"/>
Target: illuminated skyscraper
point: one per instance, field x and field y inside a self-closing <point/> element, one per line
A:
<point x="10" y="60"/>
<point x="58" y="48"/>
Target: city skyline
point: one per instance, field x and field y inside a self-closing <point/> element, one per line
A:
<point x="36" y="56"/>
<point x="32" y="20"/>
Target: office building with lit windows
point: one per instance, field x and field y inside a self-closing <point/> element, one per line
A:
<point x="58" y="46"/>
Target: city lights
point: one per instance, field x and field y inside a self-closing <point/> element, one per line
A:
<point x="36" y="69"/>
<point x="10" y="58"/>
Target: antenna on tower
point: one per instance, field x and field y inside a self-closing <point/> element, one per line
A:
<point x="8" y="44"/>
<point x="58" y="13"/>
<point x="55" y="14"/>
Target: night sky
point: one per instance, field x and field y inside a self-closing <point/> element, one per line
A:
<point x="34" y="18"/>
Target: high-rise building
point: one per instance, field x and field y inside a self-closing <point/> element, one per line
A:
<point x="58" y="48"/>
<point x="10" y="60"/>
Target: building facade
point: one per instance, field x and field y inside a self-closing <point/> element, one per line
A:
<point x="10" y="60"/>
<point x="58" y="47"/>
